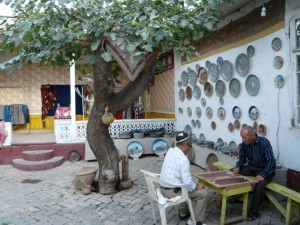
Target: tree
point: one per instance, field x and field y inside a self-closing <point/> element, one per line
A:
<point x="58" y="31"/>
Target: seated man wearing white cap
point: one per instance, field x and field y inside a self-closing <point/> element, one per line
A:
<point x="176" y="170"/>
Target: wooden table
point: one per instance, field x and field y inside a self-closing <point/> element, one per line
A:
<point x="227" y="184"/>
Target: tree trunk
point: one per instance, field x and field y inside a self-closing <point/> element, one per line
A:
<point x="98" y="135"/>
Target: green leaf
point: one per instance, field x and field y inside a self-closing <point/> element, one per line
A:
<point x="95" y="45"/>
<point x="106" y="56"/>
<point x="184" y="23"/>
<point x="130" y="47"/>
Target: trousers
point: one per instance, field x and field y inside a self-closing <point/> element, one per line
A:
<point x="198" y="199"/>
<point x="259" y="189"/>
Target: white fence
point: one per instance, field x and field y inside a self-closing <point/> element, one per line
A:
<point x="63" y="133"/>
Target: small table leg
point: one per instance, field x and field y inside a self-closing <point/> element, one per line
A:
<point x="223" y="211"/>
<point x="245" y="205"/>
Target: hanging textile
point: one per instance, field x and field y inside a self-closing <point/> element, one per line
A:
<point x="7" y="113"/>
<point x="48" y="94"/>
<point x="17" y="114"/>
<point x="2" y="132"/>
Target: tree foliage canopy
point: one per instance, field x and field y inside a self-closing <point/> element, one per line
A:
<point x="56" y="31"/>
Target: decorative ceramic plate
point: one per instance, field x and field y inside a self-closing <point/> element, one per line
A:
<point x="193" y="123"/>
<point x="234" y="87"/>
<point x="219" y="61"/>
<point x="203" y="102"/>
<point x="252" y="85"/>
<point x="196" y="92"/>
<point x="236" y="112"/>
<point x="202" y="75"/>
<point x="220" y="88"/>
<point x="278" y="62"/>
<point x="189" y="130"/>
<point x="242" y="64"/>
<point x="233" y="148"/>
<point x="179" y="83"/>
<point x="197" y="67"/>
<point x="221" y="101"/>
<point x="279" y="81"/>
<point x="230" y="127"/>
<point x="159" y="147"/>
<point x="189" y="111"/>
<point x="221" y="113"/>
<point x="253" y="113"/>
<point x="255" y="126"/>
<point x="135" y="149"/>
<point x="207" y="64"/>
<point x="262" y="130"/>
<point x="250" y="51"/>
<point x="181" y="95"/>
<point x="208" y="89"/>
<point x="237" y="124"/>
<point x="188" y="92"/>
<point x="220" y="142"/>
<point x="198" y="111"/>
<point x="198" y="123"/>
<point x="192" y="77"/>
<point x="213" y="72"/>
<point x="180" y="110"/>
<point x="184" y="78"/>
<point x="276" y="44"/>
<point x="202" y="138"/>
<point x="226" y="70"/>
<point x="213" y="125"/>
<point x="244" y="125"/>
<point x="209" y="112"/>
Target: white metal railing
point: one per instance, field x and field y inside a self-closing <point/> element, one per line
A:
<point x="62" y="128"/>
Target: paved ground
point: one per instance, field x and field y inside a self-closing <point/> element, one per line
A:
<point x="49" y="197"/>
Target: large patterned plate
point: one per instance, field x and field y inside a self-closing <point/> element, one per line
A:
<point x="213" y="72"/>
<point x="184" y="78"/>
<point x="189" y="92"/>
<point x="242" y="64"/>
<point x="192" y="77"/>
<point x="234" y="87"/>
<point x="135" y="149"/>
<point x="202" y="138"/>
<point x="252" y="85"/>
<point x="159" y="147"/>
<point x="226" y="70"/>
<point x="196" y="92"/>
<point x="233" y="148"/>
<point x="220" y="88"/>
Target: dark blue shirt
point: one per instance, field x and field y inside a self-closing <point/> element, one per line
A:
<point x="258" y="154"/>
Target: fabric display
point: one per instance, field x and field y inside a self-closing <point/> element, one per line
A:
<point x="15" y="113"/>
<point x="2" y="132"/>
<point x="48" y="94"/>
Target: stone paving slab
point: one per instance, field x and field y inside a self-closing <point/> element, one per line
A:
<point x="49" y="197"/>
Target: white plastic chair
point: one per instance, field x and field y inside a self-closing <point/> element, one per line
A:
<point x="153" y="182"/>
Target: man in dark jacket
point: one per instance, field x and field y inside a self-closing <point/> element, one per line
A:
<point x="256" y="159"/>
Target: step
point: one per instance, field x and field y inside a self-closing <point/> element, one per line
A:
<point x="37" y="155"/>
<point x="38" y="165"/>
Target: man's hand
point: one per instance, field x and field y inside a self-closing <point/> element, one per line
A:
<point x="199" y="186"/>
<point x="236" y="170"/>
<point x="259" y="178"/>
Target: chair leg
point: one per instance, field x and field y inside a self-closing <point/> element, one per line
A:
<point x="163" y="216"/>
<point x="153" y="212"/>
<point x="192" y="216"/>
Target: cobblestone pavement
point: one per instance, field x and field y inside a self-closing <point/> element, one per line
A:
<point x="49" y="197"/>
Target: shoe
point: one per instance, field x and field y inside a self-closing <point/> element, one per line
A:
<point x="184" y="216"/>
<point x="190" y="222"/>
<point x="252" y="216"/>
